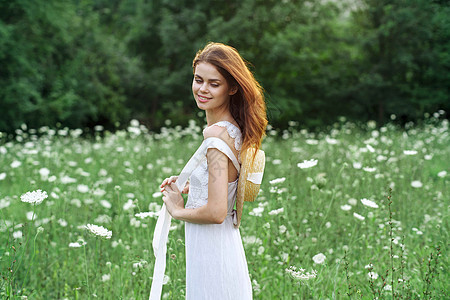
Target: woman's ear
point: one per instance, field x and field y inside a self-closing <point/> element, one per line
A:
<point x="233" y="90"/>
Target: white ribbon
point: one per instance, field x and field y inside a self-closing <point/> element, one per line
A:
<point x="256" y="178"/>
<point x="163" y="224"/>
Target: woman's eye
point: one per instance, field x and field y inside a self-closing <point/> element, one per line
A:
<point x="198" y="80"/>
<point x="214" y="85"/>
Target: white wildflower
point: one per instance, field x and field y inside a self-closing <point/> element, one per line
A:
<point x="300" y="273"/>
<point x="277" y="180"/>
<point x="249" y="240"/>
<point x="148" y="214"/>
<point x="140" y="264"/>
<point x="153" y="206"/>
<point x="319" y="258"/>
<point x="157" y="195"/>
<point x="106" y="277"/>
<point x="44" y="172"/>
<point x="369" y="169"/>
<point x="282" y="229"/>
<point x="66" y="179"/>
<point x="166" y="279"/>
<point x="416" y="184"/>
<point x="4" y="203"/>
<point x="35" y="197"/>
<point x="409" y="152"/>
<point x="17" y="234"/>
<point x="76" y="244"/>
<point x="312" y="142"/>
<point x="358" y="216"/>
<point x="129" y="205"/>
<point x="307" y="164"/>
<point x="346" y="207"/>
<point x="105" y="204"/>
<point x="442" y="174"/>
<point x="276" y="162"/>
<point x="331" y="141"/>
<point x="257" y="211"/>
<point x="31" y="216"/>
<point x="276" y="211"/>
<point x="16" y="164"/>
<point x="357" y="165"/>
<point x="352" y="201"/>
<point x="372" y="275"/>
<point x="2" y="176"/>
<point x="99" y="231"/>
<point x="82" y="188"/>
<point x="369" y="203"/>
<point x="99" y="192"/>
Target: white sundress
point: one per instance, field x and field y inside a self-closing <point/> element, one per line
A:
<point x="216" y="267"/>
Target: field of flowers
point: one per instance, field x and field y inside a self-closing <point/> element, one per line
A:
<point x="357" y="211"/>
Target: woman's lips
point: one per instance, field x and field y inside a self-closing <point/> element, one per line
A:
<point x="203" y="99"/>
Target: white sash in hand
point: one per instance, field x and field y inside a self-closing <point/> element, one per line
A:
<point x="163" y="225"/>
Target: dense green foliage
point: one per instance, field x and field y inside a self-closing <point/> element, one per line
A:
<point x="338" y="208"/>
<point x="88" y="62"/>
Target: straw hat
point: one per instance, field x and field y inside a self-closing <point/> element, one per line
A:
<point x="250" y="178"/>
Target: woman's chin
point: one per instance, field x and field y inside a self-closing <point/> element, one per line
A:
<point x="201" y="105"/>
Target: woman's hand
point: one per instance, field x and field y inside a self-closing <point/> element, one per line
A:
<point x="172" y="198"/>
<point x="172" y="179"/>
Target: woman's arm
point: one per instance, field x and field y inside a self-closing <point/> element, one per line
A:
<point x="215" y="211"/>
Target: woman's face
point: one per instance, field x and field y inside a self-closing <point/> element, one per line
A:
<point x="210" y="88"/>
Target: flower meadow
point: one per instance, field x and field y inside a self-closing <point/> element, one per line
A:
<point x="355" y="211"/>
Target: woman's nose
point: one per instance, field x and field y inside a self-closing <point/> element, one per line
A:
<point x="203" y="87"/>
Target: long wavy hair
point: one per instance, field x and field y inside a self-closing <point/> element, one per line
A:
<point x="247" y="105"/>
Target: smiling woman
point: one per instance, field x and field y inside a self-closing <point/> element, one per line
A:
<point x="211" y="90"/>
<point x="216" y="267"/>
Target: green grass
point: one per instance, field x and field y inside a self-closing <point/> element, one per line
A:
<point x="126" y="165"/>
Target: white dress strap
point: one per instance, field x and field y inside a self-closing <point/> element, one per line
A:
<point x="234" y="133"/>
<point x="213" y="142"/>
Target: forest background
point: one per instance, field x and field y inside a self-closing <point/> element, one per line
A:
<point x="82" y="63"/>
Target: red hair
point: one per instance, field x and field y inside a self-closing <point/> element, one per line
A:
<point x="247" y="105"/>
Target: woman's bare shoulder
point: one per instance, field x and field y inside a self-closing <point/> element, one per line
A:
<point x="219" y="132"/>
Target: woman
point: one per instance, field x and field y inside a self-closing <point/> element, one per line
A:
<point x="226" y="90"/>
